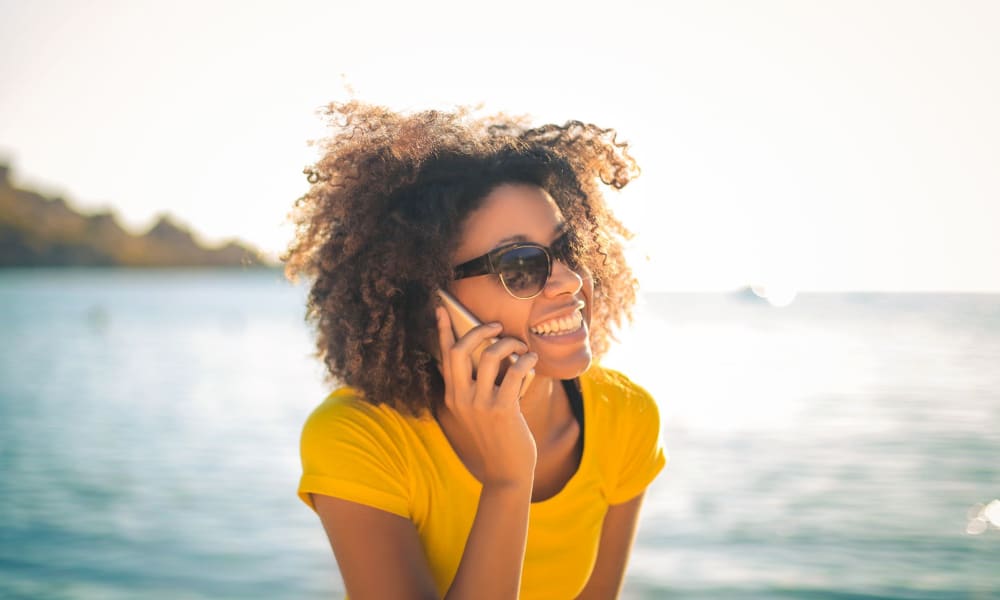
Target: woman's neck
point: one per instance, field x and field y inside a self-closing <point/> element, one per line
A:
<point x="545" y="407"/>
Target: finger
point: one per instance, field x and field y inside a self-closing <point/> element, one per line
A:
<point x="466" y="349"/>
<point x="476" y="336"/>
<point x="446" y="341"/>
<point x="512" y="385"/>
<point x="490" y="363"/>
<point x="446" y="337"/>
<point x="461" y="356"/>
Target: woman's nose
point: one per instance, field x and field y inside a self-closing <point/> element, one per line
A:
<point x="563" y="280"/>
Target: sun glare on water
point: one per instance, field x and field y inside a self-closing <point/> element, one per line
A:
<point x="777" y="295"/>
<point x="983" y="517"/>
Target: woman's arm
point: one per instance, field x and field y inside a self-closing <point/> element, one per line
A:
<point x="378" y="553"/>
<point x="617" y="535"/>
<point x="380" y="556"/>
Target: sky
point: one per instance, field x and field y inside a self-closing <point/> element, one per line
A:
<point x="802" y="145"/>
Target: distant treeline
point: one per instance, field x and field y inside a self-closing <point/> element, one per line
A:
<point x="36" y="231"/>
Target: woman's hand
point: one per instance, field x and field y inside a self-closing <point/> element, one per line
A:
<point x="491" y="414"/>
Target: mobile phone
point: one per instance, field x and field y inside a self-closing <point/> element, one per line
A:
<point x="463" y="321"/>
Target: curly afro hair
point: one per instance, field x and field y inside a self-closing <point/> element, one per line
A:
<point x="383" y="215"/>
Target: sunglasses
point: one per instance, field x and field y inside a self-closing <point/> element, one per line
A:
<point x="524" y="267"/>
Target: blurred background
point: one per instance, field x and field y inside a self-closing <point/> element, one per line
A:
<point x="816" y="238"/>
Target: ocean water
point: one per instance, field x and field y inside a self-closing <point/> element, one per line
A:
<point x="836" y="448"/>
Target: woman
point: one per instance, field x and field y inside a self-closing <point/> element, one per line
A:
<point x="433" y="475"/>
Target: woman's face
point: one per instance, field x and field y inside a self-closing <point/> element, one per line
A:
<point x="549" y="323"/>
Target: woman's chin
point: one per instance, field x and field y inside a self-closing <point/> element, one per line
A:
<point x="565" y="367"/>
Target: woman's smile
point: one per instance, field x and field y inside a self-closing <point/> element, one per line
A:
<point x="561" y="325"/>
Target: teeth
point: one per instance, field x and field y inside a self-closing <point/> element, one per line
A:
<point x="559" y="326"/>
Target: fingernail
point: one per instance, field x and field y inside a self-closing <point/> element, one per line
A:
<point x="495" y="325"/>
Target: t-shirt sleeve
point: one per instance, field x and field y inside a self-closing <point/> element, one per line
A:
<point x="641" y="455"/>
<point x="349" y="451"/>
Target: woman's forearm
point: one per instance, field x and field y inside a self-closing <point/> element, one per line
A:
<point x="494" y="553"/>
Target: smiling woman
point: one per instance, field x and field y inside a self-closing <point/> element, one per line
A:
<point x="423" y="468"/>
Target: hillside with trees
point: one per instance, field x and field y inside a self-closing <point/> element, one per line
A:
<point x="36" y="231"/>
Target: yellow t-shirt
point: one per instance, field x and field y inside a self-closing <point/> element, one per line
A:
<point x="404" y="465"/>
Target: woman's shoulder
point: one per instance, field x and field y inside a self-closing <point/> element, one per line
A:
<point x="346" y="413"/>
<point x="355" y="450"/>
<point x="613" y="390"/>
<point x="618" y="406"/>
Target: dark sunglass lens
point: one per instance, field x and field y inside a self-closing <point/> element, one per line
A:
<point x="524" y="270"/>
